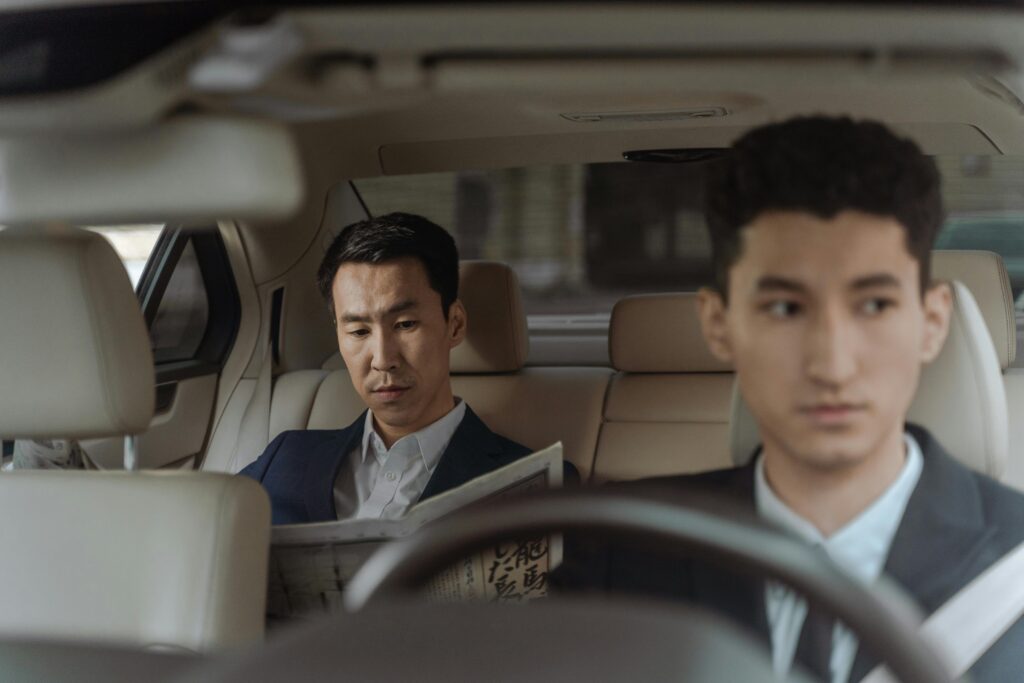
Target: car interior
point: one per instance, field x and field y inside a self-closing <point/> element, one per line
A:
<point x="171" y="174"/>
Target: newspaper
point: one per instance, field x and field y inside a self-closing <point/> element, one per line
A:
<point x="310" y="564"/>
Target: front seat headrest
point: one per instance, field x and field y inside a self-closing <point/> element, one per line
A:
<point x="985" y="275"/>
<point x="660" y="333"/>
<point x="960" y="398"/>
<point x="75" y="360"/>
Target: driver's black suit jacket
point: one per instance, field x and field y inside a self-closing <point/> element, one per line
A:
<point x="956" y="524"/>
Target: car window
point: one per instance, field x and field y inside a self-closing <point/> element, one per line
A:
<point x="182" y="316"/>
<point x="190" y="302"/>
<point x="176" y="296"/>
<point x="582" y="236"/>
<point x="985" y="205"/>
<point x="579" y="236"/>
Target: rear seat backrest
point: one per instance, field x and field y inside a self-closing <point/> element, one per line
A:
<point x="534" y="406"/>
<point x="667" y="410"/>
<point x="960" y="397"/>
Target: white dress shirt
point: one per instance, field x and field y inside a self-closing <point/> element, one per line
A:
<point x="860" y="548"/>
<point x="376" y="482"/>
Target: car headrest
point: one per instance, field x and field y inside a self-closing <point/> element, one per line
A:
<point x="985" y="275"/>
<point x="497" y="339"/>
<point x="76" y="359"/>
<point x="660" y="333"/>
<point x="960" y="398"/>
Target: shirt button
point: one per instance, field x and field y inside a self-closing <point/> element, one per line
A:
<point x="391" y="476"/>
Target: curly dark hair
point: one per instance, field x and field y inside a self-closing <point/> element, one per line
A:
<point x="822" y="165"/>
<point x="390" y="237"/>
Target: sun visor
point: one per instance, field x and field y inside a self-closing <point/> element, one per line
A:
<point x="199" y="168"/>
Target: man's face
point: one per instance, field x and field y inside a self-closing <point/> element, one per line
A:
<point x="395" y="342"/>
<point x="827" y="331"/>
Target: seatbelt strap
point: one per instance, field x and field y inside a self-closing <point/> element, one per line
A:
<point x="970" y="622"/>
<point x="254" y="430"/>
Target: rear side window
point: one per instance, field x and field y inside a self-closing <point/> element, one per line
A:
<point x="579" y="236"/>
<point x="582" y="236"/>
<point x="184" y="311"/>
<point x="189" y="301"/>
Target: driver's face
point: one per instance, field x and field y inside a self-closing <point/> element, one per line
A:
<point x="827" y="331"/>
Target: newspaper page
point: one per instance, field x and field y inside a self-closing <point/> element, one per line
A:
<point x="310" y="564"/>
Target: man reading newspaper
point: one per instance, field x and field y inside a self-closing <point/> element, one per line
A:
<point x="391" y="286"/>
<point x="311" y="564"/>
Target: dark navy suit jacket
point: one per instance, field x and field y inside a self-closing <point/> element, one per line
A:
<point x="956" y="524"/>
<point x="298" y="469"/>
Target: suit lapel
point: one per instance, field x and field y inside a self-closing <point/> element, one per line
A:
<point x="940" y="539"/>
<point x="737" y="596"/>
<point x="470" y="454"/>
<point x="324" y="461"/>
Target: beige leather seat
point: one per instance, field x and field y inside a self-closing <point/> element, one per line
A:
<point x="985" y="275"/>
<point x="668" y="407"/>
<point x="960" y="397"/>
<point x="534" y="406"/>
<point x="168" y="559"/>
<point x="667" y="410"/>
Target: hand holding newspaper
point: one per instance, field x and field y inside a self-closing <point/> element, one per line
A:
<point x="310" y="564"/>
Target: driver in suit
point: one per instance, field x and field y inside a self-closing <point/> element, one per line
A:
<point x="821" y="232"/>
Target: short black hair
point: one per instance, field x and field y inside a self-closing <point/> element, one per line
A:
<point x="822" y="165"/>
<point x="393" y="236"/>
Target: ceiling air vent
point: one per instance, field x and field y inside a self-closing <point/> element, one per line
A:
<point x="647" y="116"/>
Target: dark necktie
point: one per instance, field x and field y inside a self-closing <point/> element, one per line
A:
<point x="814" y="651"/>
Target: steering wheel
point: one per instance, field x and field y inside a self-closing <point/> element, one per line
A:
<point x="883" y="619"/>
<point x="394" y="638"/>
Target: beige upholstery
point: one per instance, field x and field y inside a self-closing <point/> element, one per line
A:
<point x="72" y="328"/>
<point x="960" y="397"/>
<point x="534" y="406"/>
<point x="154" y="558"/>
<point x="163" y="559"/>
<point x="335" y="404"/>
<point x="667" y="410"/>
<point x="293" y="398"/>
<point x="659" y="333"/>
<point x="664" y="424"/>
<point x="985" y="275"/>
<point x="497" y="339"/>
<point x="539" y="406"/>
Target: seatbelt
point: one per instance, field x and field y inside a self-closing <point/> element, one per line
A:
<point x="970" y="622"/>
<point x="254" y="429"/>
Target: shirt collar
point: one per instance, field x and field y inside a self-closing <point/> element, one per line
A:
<point x="862" y="544"/>
<point x="429" y="442"/>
